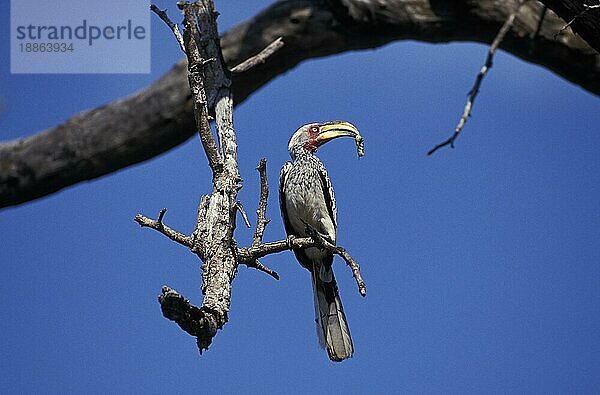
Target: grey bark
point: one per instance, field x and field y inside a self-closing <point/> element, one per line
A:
<point x="212" y="241"/>
<point x="160" y="117"/>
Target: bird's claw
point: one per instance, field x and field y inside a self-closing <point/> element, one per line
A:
<point x="289" y="240"/>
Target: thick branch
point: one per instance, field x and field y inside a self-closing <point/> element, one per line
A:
<point x="196" y="75"/>
<point x="160" y="117"/>
<point x="213" y="235"/>
<point x="199" y="322"/>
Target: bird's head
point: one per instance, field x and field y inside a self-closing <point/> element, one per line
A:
<point x="311" y="136"/>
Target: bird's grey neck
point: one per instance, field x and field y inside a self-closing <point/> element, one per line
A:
<point x="299" y="153"/>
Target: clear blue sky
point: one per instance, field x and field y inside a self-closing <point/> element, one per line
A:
<point x="482" y="263"/>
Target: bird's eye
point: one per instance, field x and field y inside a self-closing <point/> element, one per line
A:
<point x="314" y="129"/>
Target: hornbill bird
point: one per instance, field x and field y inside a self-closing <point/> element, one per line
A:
<point x="308" y="205"/>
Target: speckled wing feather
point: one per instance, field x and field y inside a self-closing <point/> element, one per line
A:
<point x="329" y="196"/>
<point x="282" y="178"/>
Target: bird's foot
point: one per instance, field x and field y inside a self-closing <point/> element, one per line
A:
<point x="289" y="240"/>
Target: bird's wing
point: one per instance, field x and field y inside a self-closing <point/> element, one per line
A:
<point x="328" y="195"/>
<point x="282" y="179"/>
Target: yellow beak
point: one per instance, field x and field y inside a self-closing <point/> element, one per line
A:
<point x="335" y="129"/>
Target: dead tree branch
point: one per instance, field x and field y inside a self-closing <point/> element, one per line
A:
<point x="196" y="70"/>
<point x="213" y="237"/>
<point x="240" y="209"/>
<point x="482" y="73"/>
<point x="323" y="243"/>
<point x="198" y="322"/>
<point x="162" y="14"/>
<point x="159" y="226"/>
<point x="248" y="254"/>
<point x="260" y="58"/>
<point x="259" y="266"/>
<point x="160" y="117"/>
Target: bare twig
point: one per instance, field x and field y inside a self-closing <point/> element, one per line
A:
<point x="482" y="73"/>
<point x="324" y="243"/>
<point x="158" y="225"/>
<point x="582" y="13"/>
<point x="261" y="57"/>
<point x="259" y="266"/>
<point x="362" y="288"/>
<point x="173" y="26"/>
<point x="240" y="208"/>
<point x="261" y="220"/>
<point x="161" y="215"/>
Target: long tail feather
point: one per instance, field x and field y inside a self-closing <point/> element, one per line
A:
<point x="332" y="328"/>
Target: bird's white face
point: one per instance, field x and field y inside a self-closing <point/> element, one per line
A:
<point x="310" y="136"/>
<point x="304" y="137"/>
